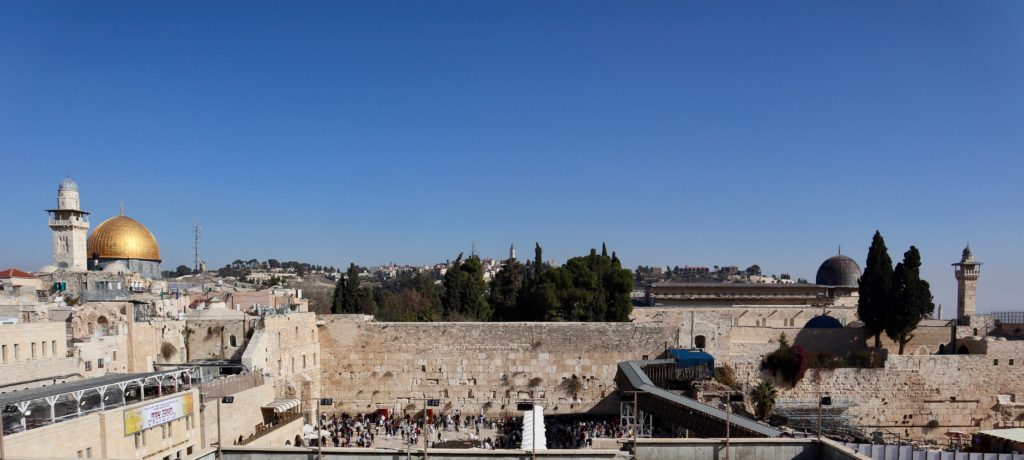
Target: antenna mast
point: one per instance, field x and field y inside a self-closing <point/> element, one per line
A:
<point x="195" y="245"/>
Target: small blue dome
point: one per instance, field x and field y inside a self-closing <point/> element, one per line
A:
<point x="823" y="322"/>
<point x="68" y="185"/>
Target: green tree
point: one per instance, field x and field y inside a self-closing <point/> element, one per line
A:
<point x="337" y="299"/>
<point x="875" y="289"/>
<point x="504" y="292"/>
<point x="351" y="298"/>
<point x="465" y="291"/>
<point x="182" y="270"/>
<point x="764" y="396"/>
<point x="912" y="299"/>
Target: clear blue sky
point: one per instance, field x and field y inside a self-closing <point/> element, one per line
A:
<point x="701" y="133"/>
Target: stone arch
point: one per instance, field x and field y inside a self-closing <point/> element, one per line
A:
<point x="102" y="326"/>
<point x="963" y="350"/>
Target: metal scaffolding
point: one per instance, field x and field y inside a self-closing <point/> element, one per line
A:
<point x="836" y="420"/>
<point x="628" y="421"/>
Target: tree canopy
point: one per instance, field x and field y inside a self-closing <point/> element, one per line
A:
<point x="911" y="299"/>
<point x="875" y="289"/>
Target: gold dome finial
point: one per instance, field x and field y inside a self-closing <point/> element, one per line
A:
<point x="122" y="208"/>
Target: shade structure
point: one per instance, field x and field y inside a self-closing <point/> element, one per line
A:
<point x="282" y="405"/>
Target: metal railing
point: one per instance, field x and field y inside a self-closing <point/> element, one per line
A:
<point x="230" y="385"/>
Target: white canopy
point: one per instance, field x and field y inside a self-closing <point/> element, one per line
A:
<point x="282" y="405"/>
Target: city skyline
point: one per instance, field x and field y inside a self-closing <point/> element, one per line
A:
<point x="677" y="134"/>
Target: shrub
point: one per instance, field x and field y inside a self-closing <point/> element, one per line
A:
<point x="725" y="375"/>
<point x="787" y="362"/>
<point x="167" y="350"/>
<point x="535" y="382"/>
<point x="861" y="359"/>
<point x="932" y="424"/>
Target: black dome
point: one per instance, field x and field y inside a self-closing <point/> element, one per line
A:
<point x="838" y="270"/>
<point x="823" y="322"/>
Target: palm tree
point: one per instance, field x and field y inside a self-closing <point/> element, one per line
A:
<point x="764" y="396"/>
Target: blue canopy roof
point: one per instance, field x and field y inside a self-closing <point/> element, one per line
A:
<point x="691" y="358"/>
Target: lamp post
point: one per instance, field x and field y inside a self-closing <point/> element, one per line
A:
<point x="1" y="435"/>
<point x="220" y="443"/>
<point x="823" y="400"/>
<point x="728" y="426"/>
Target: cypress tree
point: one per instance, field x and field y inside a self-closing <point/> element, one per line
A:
<point x="337" y="302"/>
<point x="875" y="288"/>
<point x="912" y="299"/>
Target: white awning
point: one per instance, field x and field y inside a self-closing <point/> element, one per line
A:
<point x="282" y="405"/>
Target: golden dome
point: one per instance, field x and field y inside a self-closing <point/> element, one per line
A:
<point x="122" y="237"/>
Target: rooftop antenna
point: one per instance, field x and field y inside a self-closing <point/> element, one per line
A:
<point x="195" y="244"/>
<point x="840" y="249"/>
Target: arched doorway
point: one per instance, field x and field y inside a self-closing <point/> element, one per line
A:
<point x="963" y="350"/>
<point x="102" y="327"/>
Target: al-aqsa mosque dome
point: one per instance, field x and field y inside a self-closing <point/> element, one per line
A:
<point x="839" y="271"/>
<point x="125" y="240"/>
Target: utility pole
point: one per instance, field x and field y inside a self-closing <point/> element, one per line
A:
<point x="636" y="418"/>
<point x="426" y="432"/>
<point x="319" y="428"/>
<point x="220" y="453"/>
<point x="728" y="426"/>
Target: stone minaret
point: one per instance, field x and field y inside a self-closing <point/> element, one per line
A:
<point x="967" y="272"/>
<point x="69" y="225"/>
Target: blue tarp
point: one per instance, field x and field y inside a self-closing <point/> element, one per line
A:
<point x="692" y="358"/>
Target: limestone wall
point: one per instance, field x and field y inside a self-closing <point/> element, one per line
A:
<point x="288" y="347"/>
<point x="474" y="366"/>
<point x="146" y="344"/>
<point x="958" y="391"/>
<point x="218" y="339"/>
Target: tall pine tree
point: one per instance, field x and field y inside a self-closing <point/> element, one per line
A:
<point x="912" y="299"/>
<point x="875" y="288"/>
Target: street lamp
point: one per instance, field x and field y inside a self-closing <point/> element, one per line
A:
<point x="825" y="400"/>
<point x="225" y="400"/>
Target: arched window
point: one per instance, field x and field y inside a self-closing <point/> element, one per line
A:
<point x="232" y="341"/>
<point x="700" y="341"/>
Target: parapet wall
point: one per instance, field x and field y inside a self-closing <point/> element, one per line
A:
<point x="480" y="366"/>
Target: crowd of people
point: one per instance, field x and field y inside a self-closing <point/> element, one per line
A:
<point x="362" y="430"/>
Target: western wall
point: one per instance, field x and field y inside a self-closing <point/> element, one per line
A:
<point x="481" y="366"/>
<point x="471" y="367"/>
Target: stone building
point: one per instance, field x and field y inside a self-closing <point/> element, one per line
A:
<point x="69" y="225"/>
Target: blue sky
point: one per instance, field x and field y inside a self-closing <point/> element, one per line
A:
<point x="701" y="133"/>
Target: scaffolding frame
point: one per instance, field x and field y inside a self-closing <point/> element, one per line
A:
<point x="629" y="421"/>
<point x="836" y="421"/>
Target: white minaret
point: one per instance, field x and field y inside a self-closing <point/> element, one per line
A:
<point x="967" y="273"/>
<point x="69" y="225"/>
<point x="512" y="251"/>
